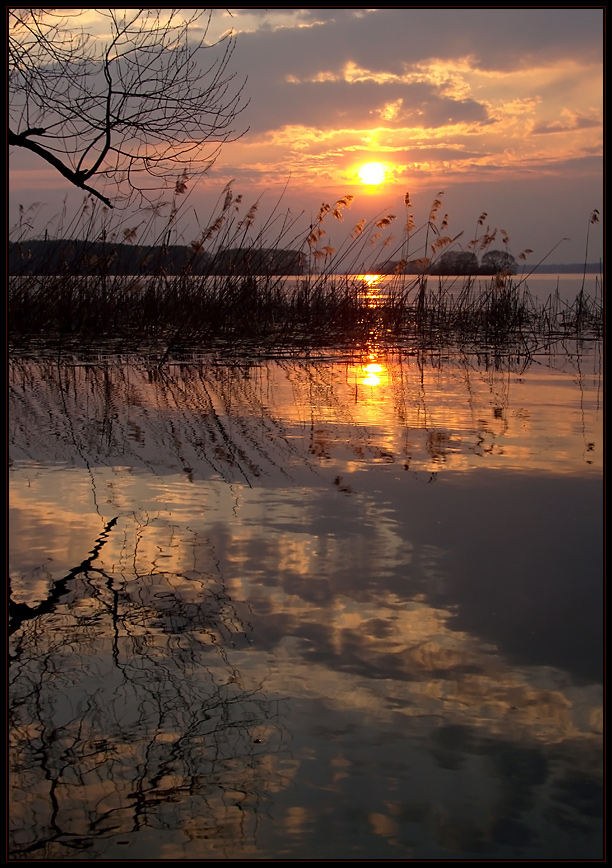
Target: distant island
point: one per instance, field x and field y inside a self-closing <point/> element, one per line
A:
<point x="90" y="258"/>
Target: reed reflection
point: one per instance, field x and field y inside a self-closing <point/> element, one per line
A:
<point x="243" y="531"/>
<point x="242" y="421"/>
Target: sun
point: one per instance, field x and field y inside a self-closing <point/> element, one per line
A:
<point x="372" y="173"/>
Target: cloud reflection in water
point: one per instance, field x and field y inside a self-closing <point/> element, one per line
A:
<point x="289" y="617"/>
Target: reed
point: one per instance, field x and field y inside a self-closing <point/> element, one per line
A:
<point x="179" y="297"/>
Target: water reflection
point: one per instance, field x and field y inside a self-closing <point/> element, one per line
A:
<point x="373" y="284"/>
<point x="246" y="419"/>
<point x="126" y="712"/>
<point x="372" y="372"/>
<point x="266" y="609"/>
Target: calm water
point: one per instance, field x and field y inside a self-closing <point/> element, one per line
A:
<point x="344" y="608"/>
<point x="541" y="286"/>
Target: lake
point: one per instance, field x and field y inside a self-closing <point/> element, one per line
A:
<point x="334" y="606"/>
<point x="555" y="289"/>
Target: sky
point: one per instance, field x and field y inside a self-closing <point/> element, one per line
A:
<point x="494" y="111"/>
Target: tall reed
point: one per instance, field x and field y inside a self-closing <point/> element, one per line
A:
<point x="235" y="283"/>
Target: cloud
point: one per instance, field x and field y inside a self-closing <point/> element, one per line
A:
<point x="419" y="68"/>
<point x="389" y="39"/>
<point x="568" y="122"/>
<point x="361" y="105"/>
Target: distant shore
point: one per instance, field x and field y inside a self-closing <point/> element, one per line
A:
<point x="66" y="256"/>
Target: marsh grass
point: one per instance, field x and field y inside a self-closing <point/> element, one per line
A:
<point x="85" y="302"/>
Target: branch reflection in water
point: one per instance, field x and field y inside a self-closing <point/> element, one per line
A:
<point x="246" y="623"/>
<point x="127" y="713"/>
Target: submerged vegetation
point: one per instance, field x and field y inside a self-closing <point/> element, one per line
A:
<point x="277" y="288"/>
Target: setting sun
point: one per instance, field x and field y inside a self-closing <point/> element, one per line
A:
<point x="372" y="173"/>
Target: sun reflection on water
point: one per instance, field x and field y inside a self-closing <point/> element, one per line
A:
<point x="280" y="604"/>
<point x="371" y="280"/>
<point x="372" y="284"/>
<point x="372" y="376"/>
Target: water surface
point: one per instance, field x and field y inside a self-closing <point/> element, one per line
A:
<point x="326" y="607"/>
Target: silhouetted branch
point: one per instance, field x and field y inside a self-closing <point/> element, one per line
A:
<point x="141" y="105"/>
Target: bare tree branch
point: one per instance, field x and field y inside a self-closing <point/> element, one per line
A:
<point x="151" y="101"/>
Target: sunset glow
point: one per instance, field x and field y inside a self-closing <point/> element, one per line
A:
<point x="372" y="173"/>
<point x="305" y="314"/>
<point x="500" y="108"/>
<point x="371" y="280"/>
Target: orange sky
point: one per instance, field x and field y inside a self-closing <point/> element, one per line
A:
<point x="501" y="109"/>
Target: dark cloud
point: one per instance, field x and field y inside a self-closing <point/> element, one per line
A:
<point x="281" y="63"/>
<point x="446" y="154"/>
<point x="439" y="111"/>
<point x="388" y="40"/>
<point x="360" y="105"/>
<point x="563" y="126"/>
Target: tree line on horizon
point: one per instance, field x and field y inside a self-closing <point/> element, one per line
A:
<point x="92" y="258"/>
<point x="54" y="257"/>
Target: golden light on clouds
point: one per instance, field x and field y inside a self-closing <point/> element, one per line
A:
<point x="460" y="122"/>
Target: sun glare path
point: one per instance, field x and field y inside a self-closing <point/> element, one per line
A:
<point x="371" y="286"/>
<point x="372" y="375"/>
<point x="371" y="280"/>
<point x="372" y="173"/>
